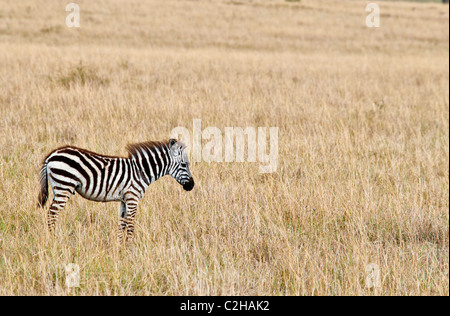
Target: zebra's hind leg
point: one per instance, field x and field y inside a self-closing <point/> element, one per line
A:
<point x="122" y="221"/>
<point x="60" y="198"/>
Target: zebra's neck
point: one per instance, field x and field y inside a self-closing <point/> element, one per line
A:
<point x="152" y="163"/>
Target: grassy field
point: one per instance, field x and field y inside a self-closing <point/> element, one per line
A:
<point x="363" y="164"/>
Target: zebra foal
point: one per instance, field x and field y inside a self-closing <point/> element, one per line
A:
<point x="109" y="178"/>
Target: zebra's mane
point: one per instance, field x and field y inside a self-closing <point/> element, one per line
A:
<point x="133" y="148"/>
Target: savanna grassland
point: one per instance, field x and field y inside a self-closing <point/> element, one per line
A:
<point x="363" y="163"/>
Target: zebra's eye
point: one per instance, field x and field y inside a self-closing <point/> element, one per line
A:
<point x="183" y="165"/>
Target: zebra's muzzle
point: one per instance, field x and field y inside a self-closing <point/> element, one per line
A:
<point x="189" y="185"/>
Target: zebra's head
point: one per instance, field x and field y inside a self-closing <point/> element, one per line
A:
<point x="179" y="168"/>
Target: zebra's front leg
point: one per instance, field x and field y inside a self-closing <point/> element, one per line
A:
<point x="131" y="213"/>
<point x="122" y="221"/>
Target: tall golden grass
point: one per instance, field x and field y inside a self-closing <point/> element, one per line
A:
<point x="363" y="170"/>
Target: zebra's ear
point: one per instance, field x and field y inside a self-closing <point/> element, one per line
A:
<point x="172" y="142"/>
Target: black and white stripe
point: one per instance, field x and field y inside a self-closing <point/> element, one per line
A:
<point x="108" y="178"/>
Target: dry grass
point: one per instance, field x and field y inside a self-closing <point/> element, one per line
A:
<point x="363" y="145"/>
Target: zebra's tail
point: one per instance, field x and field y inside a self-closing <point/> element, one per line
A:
<point x="43" y="194"/>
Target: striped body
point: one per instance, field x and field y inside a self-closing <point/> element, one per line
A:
<point x="107" y="178"/>
<point x="94" y="177"/>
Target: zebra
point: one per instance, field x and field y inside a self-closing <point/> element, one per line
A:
<point x="104" y="178"/>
